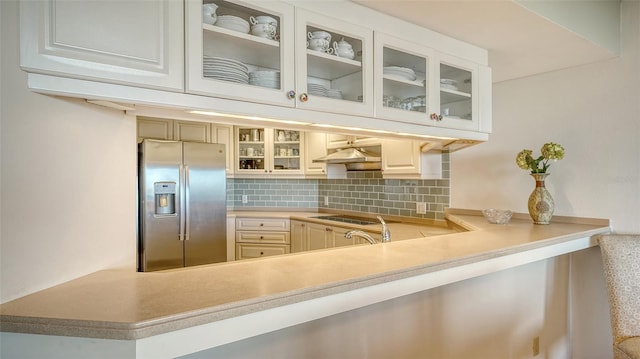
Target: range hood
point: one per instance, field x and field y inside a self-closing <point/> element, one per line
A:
<point x="355" y="159"/>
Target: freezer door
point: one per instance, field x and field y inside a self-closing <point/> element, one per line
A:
<point x="205" y="203"/>
<point x="160" y="243"/>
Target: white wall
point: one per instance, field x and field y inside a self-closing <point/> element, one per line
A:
<point x="67" y="182"/>
<point x="57" y="230"/>
<point x="594" y="112"/>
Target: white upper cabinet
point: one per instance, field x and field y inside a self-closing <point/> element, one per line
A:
<point x="269" y="152"/>
<point x="315" y="146"/>
<point x="334" y="65"/>
<point x="136" y="42"/>
<point x="235" y="58"/>
<point x="456" y="89"/>
<point x="232" y="59"/>
<point x="403" y="74"/>
<point x="420" y="85"/>
<point x="301" y="61"/>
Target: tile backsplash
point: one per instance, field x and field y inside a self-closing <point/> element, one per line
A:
<point x="361" y="191"/>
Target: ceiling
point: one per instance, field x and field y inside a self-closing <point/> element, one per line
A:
<point x="520" y="42"/>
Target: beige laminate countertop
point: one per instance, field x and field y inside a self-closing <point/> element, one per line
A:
<point x="119" y="304"/>
<point x="399" y="230"/>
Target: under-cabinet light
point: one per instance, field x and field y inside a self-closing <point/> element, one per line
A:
<point x="346" y="128"/>
<point x="245" y="117"/>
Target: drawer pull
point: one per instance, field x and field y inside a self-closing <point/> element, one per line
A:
<point x="261" y="224"/>
<point x="261" y="253"/>
<point x="261" y="237"/>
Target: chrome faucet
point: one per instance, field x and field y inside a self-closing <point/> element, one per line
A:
<point x="362" y="234"/>
<point x="386" y="235"/>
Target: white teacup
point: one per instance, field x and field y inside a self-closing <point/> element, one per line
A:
<point x="319" y="35"/>
<point x="250" y="151"/>
<point x="263" y="30"/>
<point x="263" y="20"/>
<point x="318" y="44"/>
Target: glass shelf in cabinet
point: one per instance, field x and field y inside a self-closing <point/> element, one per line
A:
<point x="416" y="83"/>
<point x="246" y="48"/>
<point x="330" y="67"/>
<point x="447" y="96"/>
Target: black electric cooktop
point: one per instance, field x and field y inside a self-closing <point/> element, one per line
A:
<point x="349" y="219"/>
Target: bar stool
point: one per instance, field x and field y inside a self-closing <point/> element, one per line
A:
<point x="621" y="262"/>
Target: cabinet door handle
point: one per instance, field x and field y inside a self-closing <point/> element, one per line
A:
<point x="291" y="95"/>
<point x="304" y="97"/>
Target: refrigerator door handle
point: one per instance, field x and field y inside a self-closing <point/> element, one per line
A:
<point x="182" y="204"/>
<point x="187" y="201"/>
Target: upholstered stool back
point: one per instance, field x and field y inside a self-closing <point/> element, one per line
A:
<point x="621" y="261"/>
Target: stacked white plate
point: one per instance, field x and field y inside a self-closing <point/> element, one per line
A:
<point x="225" y="69"/>
<point x="233" y="23"/>
<point x="335" y="93"/>
<point x="449" y="84"/>
<point x="402" y="73"/>
<point x="265" y="78"/>
<point x="318" y="90"/>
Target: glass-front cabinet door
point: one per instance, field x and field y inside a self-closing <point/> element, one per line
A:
<point x="240" y="50"/>
<point x="421" y="86"/>
<point x="403" y="73"/>
<point x="457" y="89"/>
<point x="334" y="64"/>
<point x="251" y="150"/>
<point x="286" y="151"/>
<point x="268" y="151"/>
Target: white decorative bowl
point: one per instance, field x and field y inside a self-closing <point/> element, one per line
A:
<point x="497" y="216"/>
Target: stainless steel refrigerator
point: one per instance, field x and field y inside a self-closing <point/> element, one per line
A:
<point x="183" y="210"/>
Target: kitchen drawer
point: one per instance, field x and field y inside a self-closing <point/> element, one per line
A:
<point x="262" y="224"/>
<point x="263" y="237"/>
<point x="246" y="251"/>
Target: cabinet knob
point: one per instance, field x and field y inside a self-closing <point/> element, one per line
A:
<point x="261" y="224"/>
<point x="436" y="117"/>
<point x="261" y="237"/>
<point x="291" y="95"/>
<point x="304" y="97"/>
<point x="261" y="253"/>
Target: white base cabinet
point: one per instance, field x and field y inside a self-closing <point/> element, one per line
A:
<point x="308" y="236"/>
<point x="261" y="237"/>
<point x="136" y="42"/>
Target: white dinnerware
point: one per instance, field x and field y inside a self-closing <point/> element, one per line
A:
<point x="209" y="13"/>
<point x="343" y="49"/>
<point x="233" y="23"/>
<point x="263" y="20"/>
<point x="402" y="73"/>
<point x="224" y="69"/>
